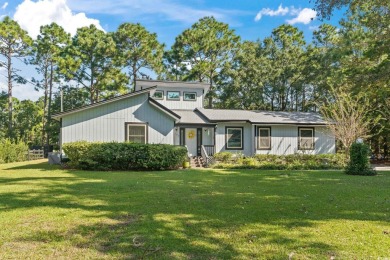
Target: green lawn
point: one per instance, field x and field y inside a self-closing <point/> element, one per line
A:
<point x="47" y="212"/>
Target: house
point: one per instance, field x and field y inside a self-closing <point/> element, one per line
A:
<point x="172" y="112"/>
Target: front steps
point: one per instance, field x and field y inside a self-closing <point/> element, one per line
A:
<point x="197" y="162"/>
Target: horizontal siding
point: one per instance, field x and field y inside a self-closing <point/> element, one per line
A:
<point x="181" y="104"/>
<point x="106" y="123"/>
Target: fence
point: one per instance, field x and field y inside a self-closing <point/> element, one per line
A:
<point x="35" y="154"/>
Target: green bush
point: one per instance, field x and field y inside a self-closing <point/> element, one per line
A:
<point x="223" y="157"/>
<point x="359" y="163"/>
<point x="124" y="156"/>
<point x="283" y="162"/>
<point x="12" y="152"/>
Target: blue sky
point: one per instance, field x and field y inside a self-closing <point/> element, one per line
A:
<point x="250" y="19"/>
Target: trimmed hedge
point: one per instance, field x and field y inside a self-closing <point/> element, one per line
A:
<point x="280" y="162"/>
<point x="12" y="152"/>
<point x="124" y="156"/>
<point x="359" y="163"/>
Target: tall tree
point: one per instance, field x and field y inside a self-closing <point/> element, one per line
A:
<point x="14" y="43"/>
<point x="47" y="51"/>
<point x="208" y="46"/>
<point x="138" y="49"/>
<point x="285" y="50"/>
<point x="90" y="62"/>
<point x="243" y="82"/>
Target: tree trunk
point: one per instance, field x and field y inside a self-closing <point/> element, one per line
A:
<point x="9" y="68"/>
<point x="134" y="72"/>
<point x="44" y="119"/>
<point x="49" y="106"/>
<point x="211" y="93"/>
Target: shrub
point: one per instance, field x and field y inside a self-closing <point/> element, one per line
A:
<point x="359" y="163"/>
<point x="285" y="162"/>
<point x="124" y="156"/>
<point x="223" y="157"/>
<point x="12" y="152"/>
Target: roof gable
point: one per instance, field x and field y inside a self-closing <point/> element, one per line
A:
<point x="103" y="102"/>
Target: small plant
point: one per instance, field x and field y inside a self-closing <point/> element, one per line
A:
<point x="359" y="163"/>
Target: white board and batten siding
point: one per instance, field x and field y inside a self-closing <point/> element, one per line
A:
<point x="284" y="140"/>
<point x="106" y="123"/>
<point x="220" y="138"/>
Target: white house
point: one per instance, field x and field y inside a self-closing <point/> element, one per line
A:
<point x="172" y="112"/>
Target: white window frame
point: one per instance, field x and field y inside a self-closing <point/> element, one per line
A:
<point x="168" y="98"/>
<point x="186" y="99"/>
<point x="300" y="141"/>
<point x="259" y="128"/>
<point x="227" y="139"/>
<point x="145" y="125"/>
<point x="160" y="91"/>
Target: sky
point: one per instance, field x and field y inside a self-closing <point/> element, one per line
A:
<point x="251" y="19"/>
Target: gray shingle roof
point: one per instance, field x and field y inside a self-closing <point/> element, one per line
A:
<point x="190" y="117"/>
<point x="262" y="117"/>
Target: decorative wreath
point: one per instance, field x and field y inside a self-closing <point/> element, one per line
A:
<point x="191" y="134"/>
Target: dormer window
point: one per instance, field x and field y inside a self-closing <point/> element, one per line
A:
<point x="158" y="94"/>
<point x="189" y="96"/>
<point x="173" y="95"/>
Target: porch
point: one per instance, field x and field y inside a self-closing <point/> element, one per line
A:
<point x="199" y="140"/>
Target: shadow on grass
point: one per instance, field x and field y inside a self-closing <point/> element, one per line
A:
<point x="41" y="166"/>
<point x="193" y="214"/>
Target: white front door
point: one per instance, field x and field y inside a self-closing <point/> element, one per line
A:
<point x="190" y="137"/>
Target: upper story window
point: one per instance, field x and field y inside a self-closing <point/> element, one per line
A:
<point x="306" y="138"/>
<point x="264" y="138"/>
<point x="189" y="96"/>
<point x="158" y="94"/>
<point x="173" y="95"/>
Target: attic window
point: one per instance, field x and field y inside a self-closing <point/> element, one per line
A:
<point x="306" y="139"/>
<point x="173" y="95"/>
<point x="158" y="94"/>
<point x="189" y="96"/>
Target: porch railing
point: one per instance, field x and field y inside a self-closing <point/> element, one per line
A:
<point x="210" y="149"/>
<point x="207" y="158"/>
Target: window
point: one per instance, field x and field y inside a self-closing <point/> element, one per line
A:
<point x="306" y="138"/>
<point x="136" y="133"/>
<point x="173" y="95"/>
<point x="264" y="138"/>
<point x="234" y="138"/>
<point x="189" y="96"/>
<point x="158" y="94"/>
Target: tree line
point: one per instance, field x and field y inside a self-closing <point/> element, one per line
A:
<point x="281" y="72"/>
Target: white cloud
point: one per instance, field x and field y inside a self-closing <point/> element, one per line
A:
<point x="32" y="15"/>
<point x="4" y="5"/>
<point x="305" y="16"/>
<point x="281" y="11"/>
<point x="171" y="10"/>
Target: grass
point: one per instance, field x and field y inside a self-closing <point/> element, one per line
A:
<point x="47" y="212"/>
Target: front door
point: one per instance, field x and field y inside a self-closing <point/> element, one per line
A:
<point x="191" y="141"/>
